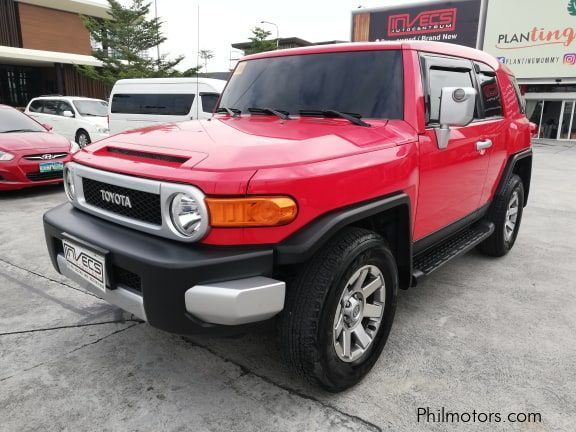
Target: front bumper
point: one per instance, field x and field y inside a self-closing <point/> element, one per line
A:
<point x="176" y="287"/>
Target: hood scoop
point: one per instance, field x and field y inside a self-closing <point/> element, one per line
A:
<point x="148" y="155"/>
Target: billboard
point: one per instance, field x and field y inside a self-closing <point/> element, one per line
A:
<point x="454" y="21"/>
<point x="534" y="38"/>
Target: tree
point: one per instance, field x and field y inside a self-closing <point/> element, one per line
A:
<point x="572" y="7"/>
<point x="260" y="42"/>
<point x="124" y="42"/>
<point x="206" y="56"/>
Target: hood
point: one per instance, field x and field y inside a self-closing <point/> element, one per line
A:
<point x="33" y="141"/>
<point x="97" y="121"/>
<point x="253" y="142"/>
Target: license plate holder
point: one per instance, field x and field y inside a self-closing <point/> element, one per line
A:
<point x="46" y="167"/>
<point x="87" y="261"/>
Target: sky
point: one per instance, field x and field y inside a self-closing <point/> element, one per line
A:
<point x="223" y="22"/>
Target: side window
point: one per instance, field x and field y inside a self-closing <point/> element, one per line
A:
<point x="209" y="101"/>
<point x="36" y="106"/>
<point x="152" y="104"/>
<point x="489" y="91"/>
<point x="50" y="107"/>
<point x="444" y="77"/>
<point x="519" y="97"/>
<point x="64" y="106"/>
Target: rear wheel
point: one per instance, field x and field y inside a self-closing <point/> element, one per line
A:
<point x="82" y="138"/>
<point x="506" y="214"/>
<point x="340" y="309"/>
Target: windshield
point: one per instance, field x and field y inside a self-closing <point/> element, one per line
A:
<point x="12" y="120"/>
<point x="368" y="83"/>
<point x="92" y="108"/>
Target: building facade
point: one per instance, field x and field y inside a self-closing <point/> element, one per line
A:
<point x="40" y="42"/>
<point x="536" y="39"/>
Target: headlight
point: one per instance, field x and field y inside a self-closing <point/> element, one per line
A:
<point x="5" y="156"/>
<point x="186" y="215"/>
<point x="103" y="130"/>
<point x="69" y="187"/>
<point x="74" y="147"/>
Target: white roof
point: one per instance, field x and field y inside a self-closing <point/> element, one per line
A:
<point x="11" y="55"/>
<point x="84" y="7"/>
<point x="216" y="83"/>
<point x="68" y="98"/>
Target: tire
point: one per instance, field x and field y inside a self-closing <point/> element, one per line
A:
<point x="83" y="138"/>
<point x="504" y="236"/>
<point x="306" y="327"/>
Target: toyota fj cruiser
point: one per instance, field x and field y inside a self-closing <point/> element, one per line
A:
<point x="328" y="178"/>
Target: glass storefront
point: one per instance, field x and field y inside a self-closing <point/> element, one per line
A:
<point x="554" y="118"/>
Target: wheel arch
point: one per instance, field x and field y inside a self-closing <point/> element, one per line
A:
<point x="520" y="164"/>
<point x="388" y="216"/>
<point x="81" y="129"/>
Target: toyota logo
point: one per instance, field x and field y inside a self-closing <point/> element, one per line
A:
<point x="47" y="156"/>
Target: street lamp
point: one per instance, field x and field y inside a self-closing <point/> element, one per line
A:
<point x="277" y="32"/>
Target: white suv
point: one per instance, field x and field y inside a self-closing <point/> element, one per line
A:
<point x="79" y="119"/>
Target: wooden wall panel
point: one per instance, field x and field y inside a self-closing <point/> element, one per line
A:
<point x="9" y="33"/>
<point x="361" y="31"/>
<point x="76" y="84"/>
<point x="53" y="30"/>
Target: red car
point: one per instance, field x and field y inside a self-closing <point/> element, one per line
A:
<point x="329" y="178"/>
<point x="30" y="155"/>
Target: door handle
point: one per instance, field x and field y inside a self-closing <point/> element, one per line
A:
<point x="483" y="145"/>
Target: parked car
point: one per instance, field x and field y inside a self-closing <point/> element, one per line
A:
<point x="83" y="120"/>
<point x="330" y="177"/>
<point x="30" y="155"/>
<point x="136" y="103"/>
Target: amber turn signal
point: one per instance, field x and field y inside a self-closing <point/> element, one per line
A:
<point x="251" y="212"/>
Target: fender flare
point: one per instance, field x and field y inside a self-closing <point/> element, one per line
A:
<point x="526" y="157"/>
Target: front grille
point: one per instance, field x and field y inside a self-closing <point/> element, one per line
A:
<point x="146" y="155"/>
<point x="145" y="206"/>
<point x="38" y="176"/>
<point x="46" y="156"/>
<point x="126" y="278"/>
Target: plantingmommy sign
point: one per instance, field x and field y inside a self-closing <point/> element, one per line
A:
<point x="534" y="38"/>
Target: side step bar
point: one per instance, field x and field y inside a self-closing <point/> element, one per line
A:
<point x="460" y="243"/>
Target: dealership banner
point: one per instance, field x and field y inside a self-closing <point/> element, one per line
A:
<point x="534" y="38"/>
<point x="444" y="21"/>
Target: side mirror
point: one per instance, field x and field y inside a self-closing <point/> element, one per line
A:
<point x="68" y="114"/>
<point x="47" y="127"/>
<point x="456" y="109"/>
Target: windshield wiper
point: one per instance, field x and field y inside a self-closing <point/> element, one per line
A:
<point x="282" y="114"/>
<point x="351" y="117"/>
<point x="19" y="130"/>
<point x="232" y="112"/>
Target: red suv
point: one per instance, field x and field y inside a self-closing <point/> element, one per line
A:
<point x="328" y="178"/>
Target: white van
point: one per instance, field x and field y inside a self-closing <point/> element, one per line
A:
<point x="136" y="103"/>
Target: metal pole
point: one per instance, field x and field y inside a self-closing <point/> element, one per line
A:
<point x="277" y="32"/>
<point x="157" y="46"/>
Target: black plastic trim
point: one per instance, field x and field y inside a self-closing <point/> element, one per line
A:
<point x="431" y="240"/>
<point x="509" y="170"/>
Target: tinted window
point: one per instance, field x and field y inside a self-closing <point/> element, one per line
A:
<point x="91" y="108"/>
<point x="439" y="78"/>
<point x="519" y="97"/>
<point x="209" y="101"/>
<point x="50" y="107"/>
<point x="152" y="104"/>
<point x="13" y="120"/>
<point x="64" y="106"/>
<point x="36" y="106"/>
<point x="369" y="83"/>
<point x="490" y="93"/>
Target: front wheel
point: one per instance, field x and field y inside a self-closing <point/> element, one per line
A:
<point x="83" y="138"/>
<point x="340" y="309"/>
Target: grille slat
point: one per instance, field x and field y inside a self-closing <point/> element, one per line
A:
<point x="38" y="176"/>
<point x="46" y="156"/>
<point x="145" y="206"/>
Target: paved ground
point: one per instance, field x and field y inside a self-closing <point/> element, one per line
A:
<point x="480" y="334"/>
